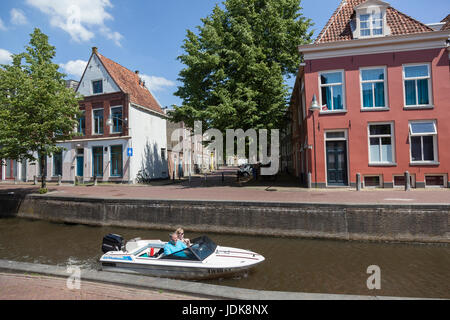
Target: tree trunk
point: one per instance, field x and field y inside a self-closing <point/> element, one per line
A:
<point x="43" y="172"/>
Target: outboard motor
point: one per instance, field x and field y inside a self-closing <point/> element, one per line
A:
<point x="112" y="242"/>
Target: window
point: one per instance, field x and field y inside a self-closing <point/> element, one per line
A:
<point x="116" y="161"/>
<point x="97" y="157"/>
<point x="423" y="140"/>
<point x="381" y="149"/>
<point x="82" y="124"/>
<point x="97" y="86"/>
<point x="335" y="135"/>
<point x="371" y="24"/>
<point x="98" y="121"/>
<point x="332" y="91"/>
<point x="399" y="180"/>
<point x="417" y="85"/>
<point x="116" y="116"/>
<point x="57" y="164"/>
<point x="163" y="154"/>
<point x="373" y="87"/>
<point x="435" y="181"/>
<point x="372" y="181"/>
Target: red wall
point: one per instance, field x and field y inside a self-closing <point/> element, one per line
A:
<point x="105" y="101"/>
<point x="356" y="121"/>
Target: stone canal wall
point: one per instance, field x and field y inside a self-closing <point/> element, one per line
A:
<point x="375" y="222"/>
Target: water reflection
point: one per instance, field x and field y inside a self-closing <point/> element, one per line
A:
<point x="419" y="270"/>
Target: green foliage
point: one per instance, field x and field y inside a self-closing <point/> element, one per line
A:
<point x="237" y="64"/>
<point x="36" y="109"/>
<point x="43" y="190"/>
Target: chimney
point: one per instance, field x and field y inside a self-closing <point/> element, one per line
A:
<point x="94" y="50"/>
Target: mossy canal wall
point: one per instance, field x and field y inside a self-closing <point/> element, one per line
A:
<point x="373" y="222"/>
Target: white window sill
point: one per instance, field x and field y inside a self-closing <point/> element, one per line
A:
<point x="418" y="107"/>
<point x="333" y="112"/>
<point x="393" y="164"/>
<point x="373" y="109"/>
<point x="425" y="163"/>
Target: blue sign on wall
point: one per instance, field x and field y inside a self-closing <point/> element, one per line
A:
<point x="130" y="152"/>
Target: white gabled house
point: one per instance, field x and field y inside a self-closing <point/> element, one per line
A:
<point x="123" y="130"/>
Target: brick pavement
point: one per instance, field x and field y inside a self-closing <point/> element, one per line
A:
<point x="182" y="191"/>
<point x="37" y="287"/>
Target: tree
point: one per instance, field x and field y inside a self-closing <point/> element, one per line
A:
<point x="36" y="109"/>
<point x="237" y="64"/>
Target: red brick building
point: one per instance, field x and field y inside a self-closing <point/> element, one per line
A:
<point x="380" y="82"/>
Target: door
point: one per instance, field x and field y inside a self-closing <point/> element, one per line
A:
<point x="80" y="166"/>
<point x="337" y="163"/>
<point x="10" y="169"/>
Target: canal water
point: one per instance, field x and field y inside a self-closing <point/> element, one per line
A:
<point x="297" y="265"/>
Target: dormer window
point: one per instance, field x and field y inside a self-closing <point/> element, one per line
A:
<point x="371" y="24"/>
<point x="370" y="20"/>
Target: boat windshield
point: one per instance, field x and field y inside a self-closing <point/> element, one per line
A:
<point x="203" y="247"/>
<point x="200" y="249"/>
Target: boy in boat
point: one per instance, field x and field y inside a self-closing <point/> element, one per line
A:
<point x="174" y="245"/>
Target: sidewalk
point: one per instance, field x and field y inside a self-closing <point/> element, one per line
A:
<point x="198" y="191"/>
<point x="38" y="287"/>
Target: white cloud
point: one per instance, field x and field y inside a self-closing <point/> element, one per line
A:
<point x="18" y="17"/>
<point x="79" y="18"/>
<point x="5" y="56"/>
<point x="156" y="83"/>
<point x="2" y="25"/>
<point x="74" y="67"/>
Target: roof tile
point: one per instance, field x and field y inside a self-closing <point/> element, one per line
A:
<point x="338" y="27"/>
<point x="129" y="82"/>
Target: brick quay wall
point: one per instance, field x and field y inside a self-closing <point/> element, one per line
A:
<point x="367" y="222"/>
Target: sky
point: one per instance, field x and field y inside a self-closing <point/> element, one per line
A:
<point x="144" y="35"/>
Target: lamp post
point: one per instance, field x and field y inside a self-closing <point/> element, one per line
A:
<point x="110" y="122"/>
<point x="313" y="108"/>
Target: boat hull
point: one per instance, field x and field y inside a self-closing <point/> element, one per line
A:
<point x="175" y="272"/>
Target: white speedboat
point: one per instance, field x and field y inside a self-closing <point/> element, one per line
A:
<point x="202" y="260"/>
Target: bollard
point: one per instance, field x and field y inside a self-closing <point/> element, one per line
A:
<point x="95" y="180"/>
<point x="407" y="181"/>
<point x="59" y="180"/>
<point x="223" y="178"/>
<point x="309" y="180"/>
<point x="173" y="176"/>
<point x="35" y="180"/>
<point x="358" y="182"/>
<point x="237" y="176"/>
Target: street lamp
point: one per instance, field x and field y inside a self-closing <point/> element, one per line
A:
<point x="110" y="122"/>
<point x="313" y="108"/>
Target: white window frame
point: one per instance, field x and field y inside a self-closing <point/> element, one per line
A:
<point x="93" y="122"/>
<point x="344" y="105"/>
<point x="412" y="177"/>
<point x="361" y="82"/>
<point x="111" y="113"/>
<point x="430" y="84"/>
<point x="435" y="143"/>
<point x="380" y="136"/>
<point x="380" y="176"/>
<point x="444" y="178"/>
<point x="370" y="22"/>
